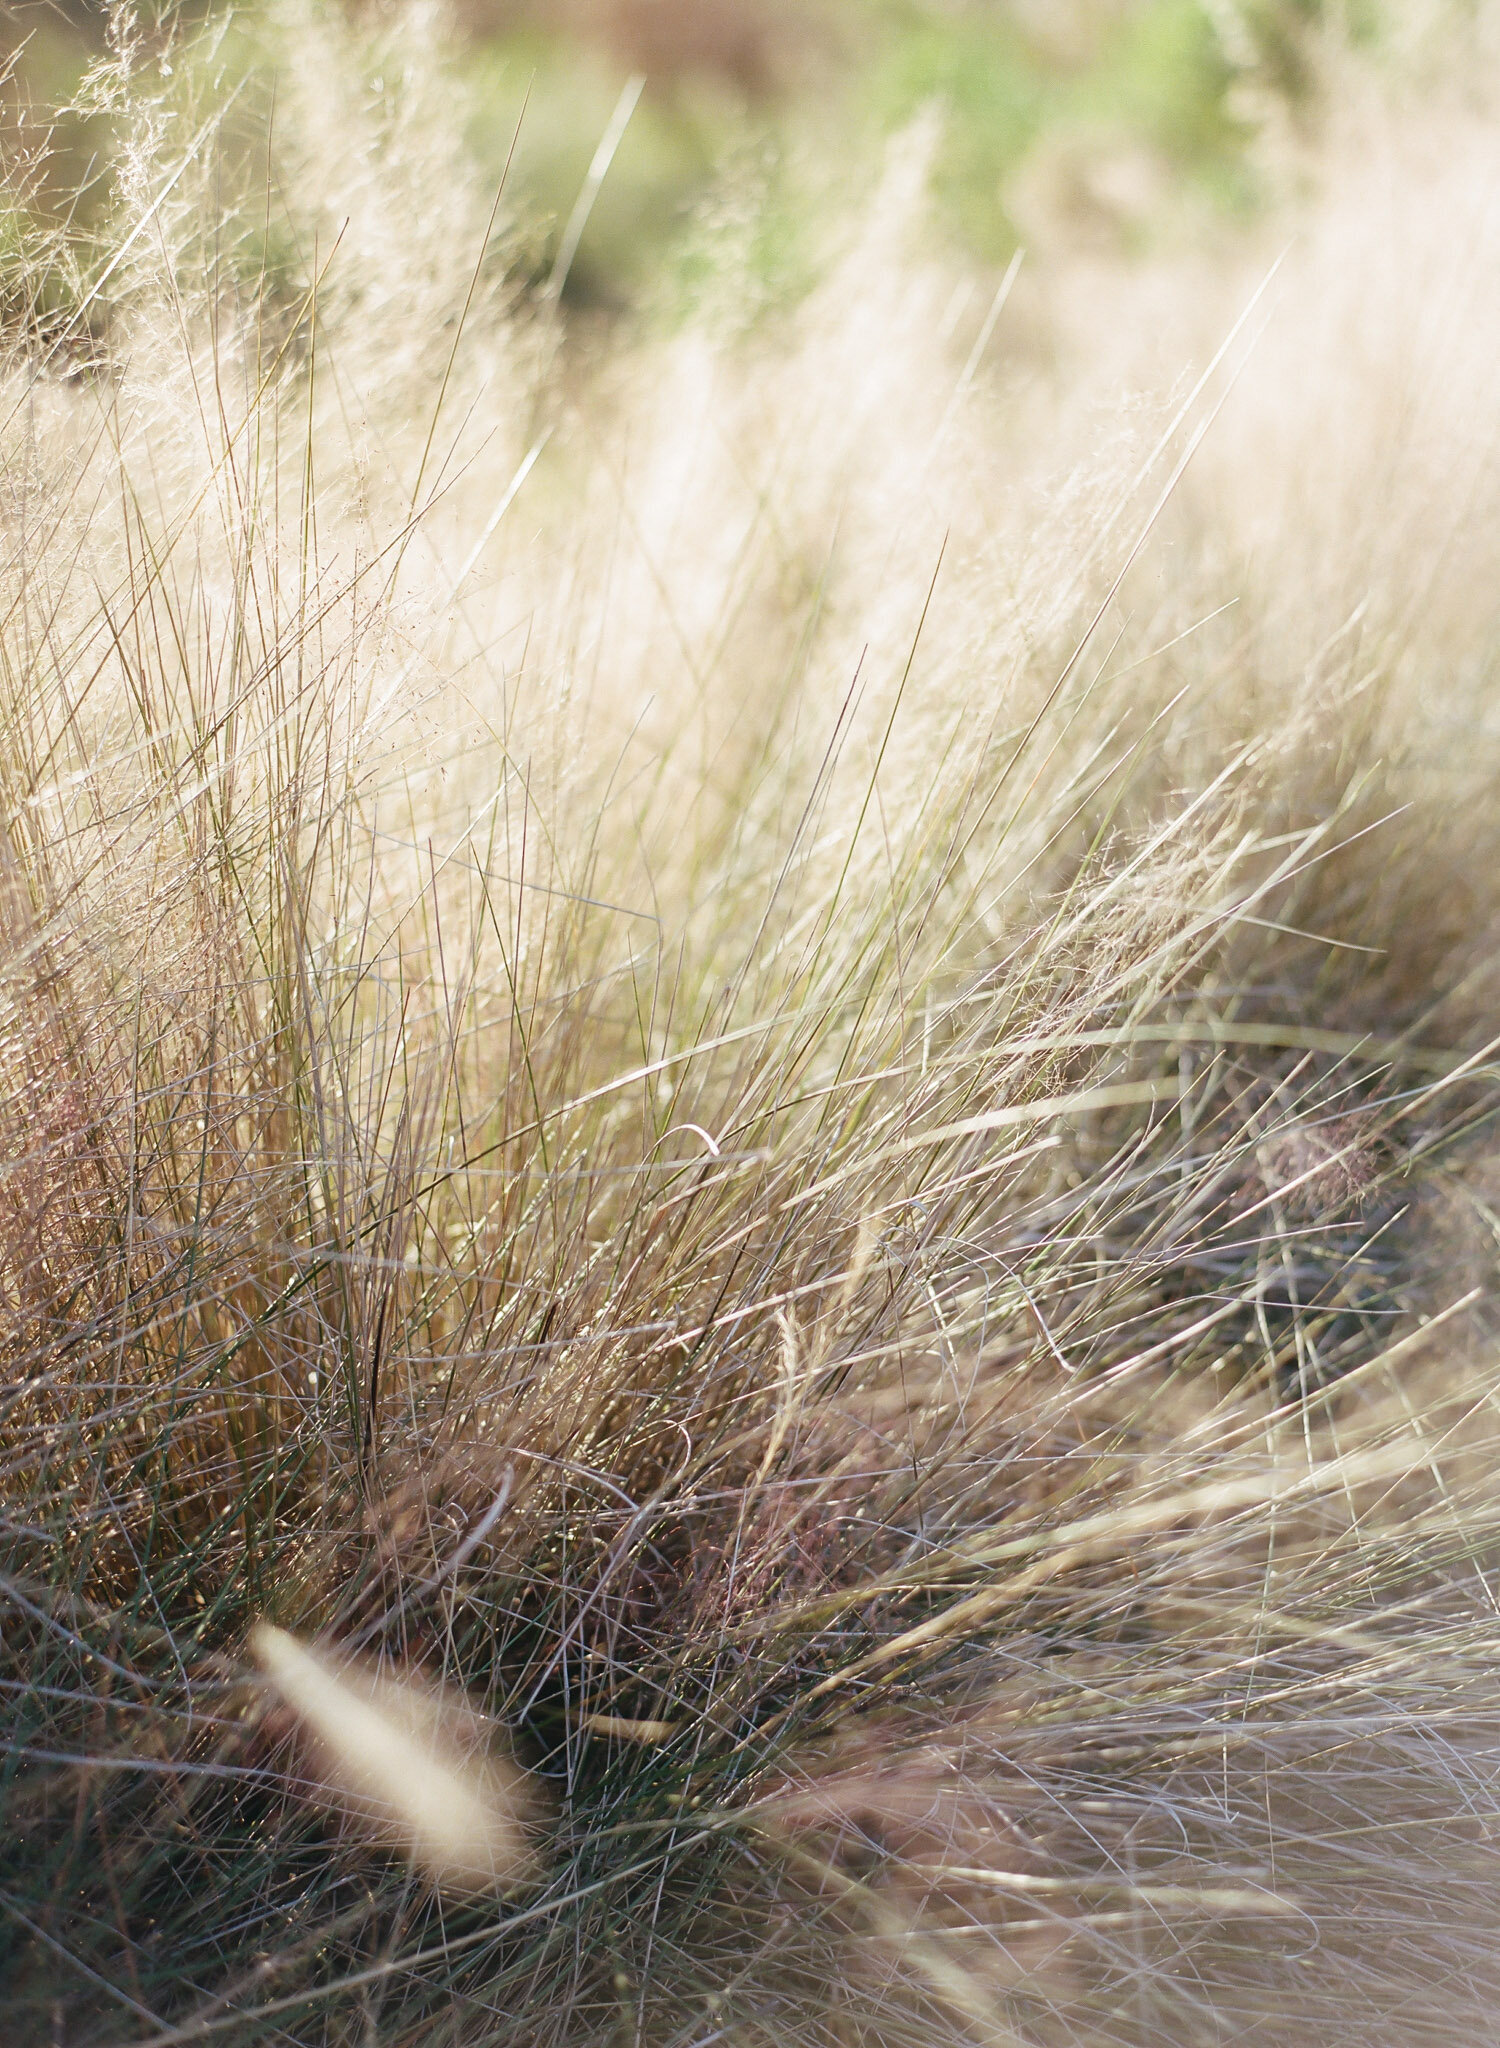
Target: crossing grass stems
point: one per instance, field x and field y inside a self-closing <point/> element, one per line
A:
<point x="747" y="1086"/>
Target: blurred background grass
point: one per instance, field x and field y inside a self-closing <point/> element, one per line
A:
<point x="1112" y="122"/>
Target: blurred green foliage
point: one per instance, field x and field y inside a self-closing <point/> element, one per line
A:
<point x="1153" y="75"/>
<point x="1132" y="110"/>
<point x="541" y="105"/>
<point x="1117" y="113"/>
<point x="712" y="181"/>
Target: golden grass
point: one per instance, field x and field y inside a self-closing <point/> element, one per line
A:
<point x="756" y="1078"/>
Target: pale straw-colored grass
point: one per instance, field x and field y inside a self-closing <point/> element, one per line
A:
<point x="749" y="1219"/>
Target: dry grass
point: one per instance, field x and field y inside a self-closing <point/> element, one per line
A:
<point x="765" y="1071"/>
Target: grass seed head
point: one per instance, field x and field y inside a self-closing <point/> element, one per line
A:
<point x="408" y="1760"/>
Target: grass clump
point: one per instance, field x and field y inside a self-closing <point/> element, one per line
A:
<point x="747" y="1096"/>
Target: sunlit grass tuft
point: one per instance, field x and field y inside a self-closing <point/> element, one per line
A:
<point x="747" y="1221"/>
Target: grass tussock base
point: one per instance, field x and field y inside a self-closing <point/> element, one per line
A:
<point x="749" y="1216"/>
